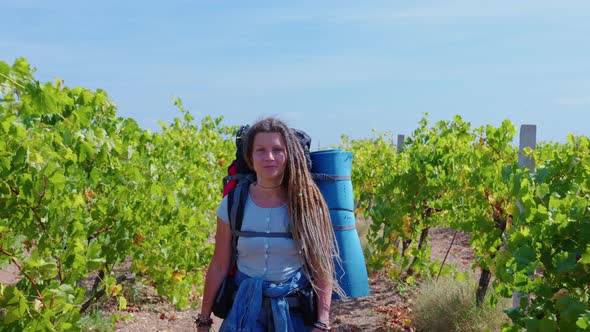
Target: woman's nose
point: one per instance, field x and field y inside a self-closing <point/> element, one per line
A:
<point x="269" y="155"/>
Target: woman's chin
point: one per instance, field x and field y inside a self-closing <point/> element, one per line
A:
<point x="270" y="176"/>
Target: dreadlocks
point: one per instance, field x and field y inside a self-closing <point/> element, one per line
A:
<point x="310" y="221"/>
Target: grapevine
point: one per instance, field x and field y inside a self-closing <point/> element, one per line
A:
<point x="83" y="190"/>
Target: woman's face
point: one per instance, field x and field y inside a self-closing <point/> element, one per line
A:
<point x="269" y="156"/>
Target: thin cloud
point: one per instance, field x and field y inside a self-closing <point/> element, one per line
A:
<point x="292" y="117"/>
<point x="573" y="101"/>
<point x="391" y="12"/>
<point x="313" y="71"/>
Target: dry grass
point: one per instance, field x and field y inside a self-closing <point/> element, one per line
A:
<point x="449" y="305"/>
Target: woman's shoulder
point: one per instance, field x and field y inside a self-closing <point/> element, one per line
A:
<point x="222" y="212"/>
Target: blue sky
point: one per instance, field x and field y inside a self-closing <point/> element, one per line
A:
<point x="327" y="67"/>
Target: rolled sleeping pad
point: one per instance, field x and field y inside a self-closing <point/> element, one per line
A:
<point x="352" y="272"/>
<point x="332" y="170"/>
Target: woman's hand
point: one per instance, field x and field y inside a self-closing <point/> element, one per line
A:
<point x="204" y="323"/>
<point x="204" y="329"/>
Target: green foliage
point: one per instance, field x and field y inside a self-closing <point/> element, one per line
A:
<point x="372" y="160"/>
<point x="547" y="251"/>
<point x="530" y="229"/>
<point x="81" y="190"/>
<point x="447" y="175"/>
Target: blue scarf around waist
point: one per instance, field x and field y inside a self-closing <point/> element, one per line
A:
<point x="249" y="297"/>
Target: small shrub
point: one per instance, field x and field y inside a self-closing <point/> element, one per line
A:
<point x="449" y="305"/>
<point x="96" y="321"/>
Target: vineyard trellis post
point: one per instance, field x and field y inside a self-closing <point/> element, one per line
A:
<point x="528" y="139"/>
<point x="400" y="142"/>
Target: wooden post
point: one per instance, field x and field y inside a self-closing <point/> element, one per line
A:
<point x="400" y="142"/>
<point x="528" y="139"/>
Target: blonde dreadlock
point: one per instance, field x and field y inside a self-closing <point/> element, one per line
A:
<point x="310" y="221"/>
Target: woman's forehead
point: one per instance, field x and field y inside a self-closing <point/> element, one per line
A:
<point x="268" y="138"/>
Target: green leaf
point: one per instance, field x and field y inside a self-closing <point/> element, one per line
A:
<point x="22" y="67"/>
<point x="586" y="256"/>
<point x="78" y="200"/>
<point x="584" y="321"/>
<point x="525" y="255"/>
<point x="555" y="203"/>
<point x="65" y="326"/>
<point x="540" y="325"/>
<point x="541" y="211"/>
<point x="58" y="180"/>
<point x="86" y="151"/>
<point x="7" y="123"/>
<point x="48" y="270"/>
<point x="4" y="69"/>
<point x="122" y="303"/>
<point x="4" y="164"/>
<point x="547" y="325"/>
<point x="95" y="263"/>
<point x="543" y="190"/>
<point x="171" y="199"/>
<point x="67" y="307"/>
<point x="22" y="306"/>
<point x="564" y="262"/>
<point x="570" y="310"/>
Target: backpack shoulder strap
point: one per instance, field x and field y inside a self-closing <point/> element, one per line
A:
<point x="237" y="203"/>
<point x="236" y="200"/>
<point x="232" y="225"/>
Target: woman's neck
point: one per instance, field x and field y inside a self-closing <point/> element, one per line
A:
<point x="268" y="195"/>
<point x="269" y="186"/>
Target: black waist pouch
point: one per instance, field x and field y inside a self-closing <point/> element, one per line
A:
<point x="225" y="297"/>
<point x="308" y="304"/>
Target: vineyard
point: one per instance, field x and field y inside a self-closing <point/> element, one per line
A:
<point x="83" y="191"/>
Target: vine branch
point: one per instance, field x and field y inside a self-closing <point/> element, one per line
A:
<point x="38" y="218"/>
<point x="31" y="280"/>
<point x="446" y="255"/>
<point x="41" y="195"/>
<point x="16" y="192"/>
<point x="102" y="292"/>
<point x="13" y="81"/>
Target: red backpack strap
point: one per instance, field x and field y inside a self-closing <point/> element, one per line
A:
<point x="232" y="178"/>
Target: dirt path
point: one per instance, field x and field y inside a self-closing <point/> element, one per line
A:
<point x="384" y="309"/>
<point x="347" y="315"/>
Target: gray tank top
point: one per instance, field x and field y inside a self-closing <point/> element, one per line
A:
<point x="272" y="259"/>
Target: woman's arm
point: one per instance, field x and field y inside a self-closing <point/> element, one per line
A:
<point x="218" y="268"/>
<point x="324" y="293"/>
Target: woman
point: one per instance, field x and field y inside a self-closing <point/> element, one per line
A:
<point x="283" y="198"/>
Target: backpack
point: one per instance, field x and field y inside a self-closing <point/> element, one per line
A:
<point x="235" y="187"/>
